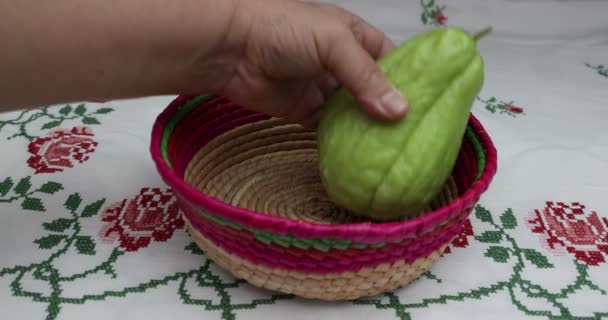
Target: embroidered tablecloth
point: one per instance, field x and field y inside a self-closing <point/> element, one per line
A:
<point x="87" y="228"/>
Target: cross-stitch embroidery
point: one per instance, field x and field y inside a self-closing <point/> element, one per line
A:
<point x="20" y="190"/>
<point x="494" y="105"/>
<point x="569" y="228"/>
<point x="152" y="215"/>
<point x="601" y="70"/>
<point x="462" y="239"/>
<point x="66" y="232"/>
<point x="49" y="118"/>
<point x="432" y="13"/>
<point x="60" y="149"/>
<point x="503" y="248"/>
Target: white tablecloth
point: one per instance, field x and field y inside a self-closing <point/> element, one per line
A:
<point x="535" y="248"/>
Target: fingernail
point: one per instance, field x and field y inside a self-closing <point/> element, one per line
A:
<point x="393" y="103"/>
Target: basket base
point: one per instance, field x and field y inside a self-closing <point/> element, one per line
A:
<point x="272" y="166"/>
<point x="328" y="287"/>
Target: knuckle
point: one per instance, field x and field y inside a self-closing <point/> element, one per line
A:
<point x="356" y="28"/>
<point x="368" y="74"/>
<point x="355" y="23"/>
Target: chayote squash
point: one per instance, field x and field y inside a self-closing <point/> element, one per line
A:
<point x="393" y="170"/>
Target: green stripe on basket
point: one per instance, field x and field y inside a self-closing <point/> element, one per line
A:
<point x="175" y="119"/>
<point x="478" y="148"/>
<point x="287" y="241"/>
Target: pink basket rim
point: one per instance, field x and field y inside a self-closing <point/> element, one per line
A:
<point x="362" y="231"/>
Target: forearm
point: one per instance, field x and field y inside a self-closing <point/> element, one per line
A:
<point x="68" y="50"/>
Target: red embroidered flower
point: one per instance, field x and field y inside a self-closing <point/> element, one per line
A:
<point x="461" y="240"/>
<point x="514" y="109"/>
<point x="152" y="215"/>
<point x="568" y="228"/>
<point x="440" y="18"/>
<point x="60" y="149"/>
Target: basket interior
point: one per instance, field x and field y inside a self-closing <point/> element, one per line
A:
<point x="266" y="165"/>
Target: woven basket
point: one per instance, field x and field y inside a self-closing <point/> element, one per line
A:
<point x="251" y="195"/>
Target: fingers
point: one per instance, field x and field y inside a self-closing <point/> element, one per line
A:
<point x="372" y="39"/>
<point x="387" y="46"/>
<point x="328" y="85"/>
<point x="357" y="71"/>
<point x="304" y="103"/>
<point x="350" y="55"/>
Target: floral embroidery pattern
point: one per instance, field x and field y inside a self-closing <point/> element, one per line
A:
<point x="524" y="294"/>
<point x="82" y="254"/>
<point x="22" y="191"/>
<point x="48" y="118"/>
<point x="432" y="13"/>
<point x="601" y="70"/>
<point x="502" y="107"/>
<point x="60" y="149"/>
<point x="152" y="215"/>
<point x="569" y="228"/>
<point x="65" y="233"/>
<point x="461" y="240"/>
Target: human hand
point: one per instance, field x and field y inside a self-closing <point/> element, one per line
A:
<point x="285" y="57"/>
<point x="281" y="57"/>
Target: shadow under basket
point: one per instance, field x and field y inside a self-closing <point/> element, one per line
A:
<point x="251" y="195"/>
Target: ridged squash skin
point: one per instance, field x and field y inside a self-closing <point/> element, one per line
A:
<point x="393" y="170"/>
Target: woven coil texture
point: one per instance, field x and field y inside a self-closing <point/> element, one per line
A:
<point x="250" y="192"/>
<point x="329" y="287"/>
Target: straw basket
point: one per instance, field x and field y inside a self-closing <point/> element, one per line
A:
<point x="251" y="195"/>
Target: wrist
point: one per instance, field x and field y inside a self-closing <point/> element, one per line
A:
<point x="215" y="59"/>
<point x="207" y="42"/>
<point x="184" y="51"/>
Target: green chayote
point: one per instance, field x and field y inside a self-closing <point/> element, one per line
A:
<point x="393" y="170"/>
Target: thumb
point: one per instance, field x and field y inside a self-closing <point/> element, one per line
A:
<point x="358" y="73"/>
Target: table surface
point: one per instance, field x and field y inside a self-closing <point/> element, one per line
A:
<point x="536" y="247"/>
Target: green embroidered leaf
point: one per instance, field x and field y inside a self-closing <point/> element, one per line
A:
<point x="581" y="267"/>
<point x="52" y="124"/>
<point x="5" y="186"/>
<point x="33" y="204"/>
<point x="90" y="120"/>
<point x="49" y="241"/>
<point x="192" y="247"/>
<point x="80" y="109"/>
<point x="499" y="254"/>
<point x="537" y="258"/>
<point x="483" y="214"/>
<point x="490" y="237"/>
<point x="66" y="110"/>
<point x="73" y="202"/>
<point x="58" y="225"/>
<point x="51" y="187"/>
<point x="508" y="220"/>
<point x="23" y="186"/>
<point x="104" y="110"/>
<point x="92" y="209"/>
<point x="85" y="245"/>
<point x="424" y="18"/>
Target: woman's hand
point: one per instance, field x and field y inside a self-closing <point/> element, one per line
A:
<point x="285" y="57"/>
<point x="281" y="57"/>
